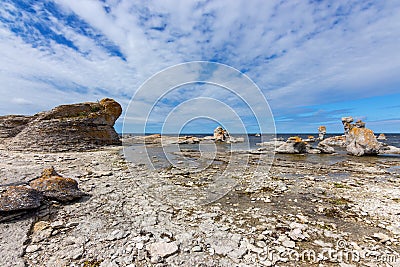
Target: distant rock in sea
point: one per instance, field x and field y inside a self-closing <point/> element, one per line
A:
<point x="74" y="127"/>
<point x="220" y="135"/>
<point x="381" y="137"/>
<point x="321" y="132"/>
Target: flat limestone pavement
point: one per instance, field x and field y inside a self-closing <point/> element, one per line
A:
<point x="297" y="206"/>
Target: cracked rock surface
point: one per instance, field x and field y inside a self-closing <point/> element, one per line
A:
<point x="299" y="205"/>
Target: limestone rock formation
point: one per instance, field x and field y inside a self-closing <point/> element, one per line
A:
<point x="19" y="197"/>
<point x="220" y="135"/>
<point x="360" y="140"/>
<point x="74" y="127"/>
<point x="54" y="186"/>
<point x="294" y="145"/>
<point x="321" y="132"/>
<point x="325" y="148"/>
<point x="11" y="125"/>
<point x="381" y="137"/>
<point x="359" y="124"/>
<point x="346" y="121"/>
<point x="389" y="150"/>
<point x="334" y="141"/>
<point x="310" y="138"/>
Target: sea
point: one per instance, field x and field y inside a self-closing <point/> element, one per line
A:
<point x="138" y="152"/>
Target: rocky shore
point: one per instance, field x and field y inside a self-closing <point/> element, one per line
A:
<point x="68" y="200"/>
<point x="264" y="221"/>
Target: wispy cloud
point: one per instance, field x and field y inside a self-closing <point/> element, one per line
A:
<point x="302" y="54"/>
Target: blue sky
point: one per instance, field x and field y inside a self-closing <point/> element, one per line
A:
<point x="314" y="61"/>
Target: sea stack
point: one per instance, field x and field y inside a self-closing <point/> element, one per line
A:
<point x="74" y="127"/>
<point x="321" y="132"/>
<point x="221" y="135"/>
<point x="359" y="140"/>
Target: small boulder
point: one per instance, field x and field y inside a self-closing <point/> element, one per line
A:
<point x="334" y="141"/>
<point x="19" y="197"/>
<point x="381" y="137"/>
<point x="324" y="148"/>
<point x="54" y="186"/>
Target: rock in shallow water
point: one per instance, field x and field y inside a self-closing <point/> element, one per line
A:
<point x="294" y="145"/>
<point x="54" y="186"/>
<point x="362" y="141"/>
<point x="324" y="148"/>
<point x="19" y="198"/>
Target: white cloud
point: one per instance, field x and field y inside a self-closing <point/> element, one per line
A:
<point x="299" y="53"/>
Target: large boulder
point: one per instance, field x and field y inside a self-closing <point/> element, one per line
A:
<point x="362" y="141"/>
<point x="74" y="127"/>
<point x="294" y="145"/>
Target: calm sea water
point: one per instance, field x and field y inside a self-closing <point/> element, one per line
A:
<point x="135" y="152"/>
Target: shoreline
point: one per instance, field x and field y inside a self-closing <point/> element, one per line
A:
<point x="298" y="206"/>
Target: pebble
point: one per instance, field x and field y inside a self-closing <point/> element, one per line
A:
<point x="383" y="238"/>
<point x="197" y="249"/>
<point x="289" y="244"/>
<point x="32" y="248"/>
<point x="57" y="224"/>
<point x="117" y="234"/>
<point x="162" y="249"/>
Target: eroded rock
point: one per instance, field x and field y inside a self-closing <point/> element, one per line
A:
<point x="73" y="127"/>
<point x="381" y="137"/>
<point x="334" y="141"/>
<point x="321" y="132"/>
<point x="325" y="148"/>
<point x="220" y="135"/>
<point x="11" y="125"/>
<point x="294" y="145"/>
<point x="54" y="186"/>
<point x="362" y="141"/>
<point x="359" y="140"/>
